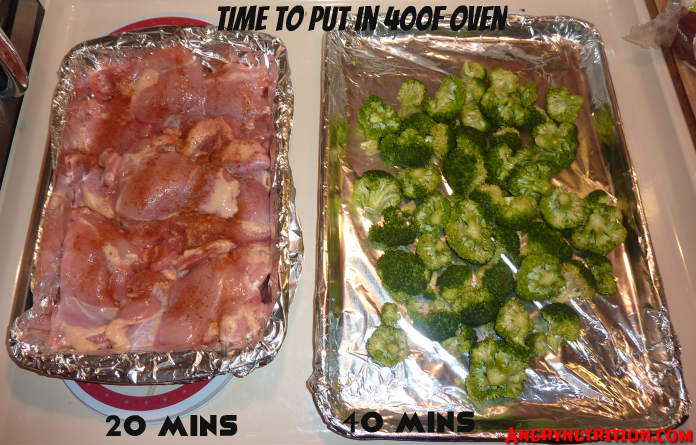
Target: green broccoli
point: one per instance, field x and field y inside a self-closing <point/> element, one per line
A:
<point x="563" y="209"/>
<point x="470" y="140"/>
<point x="411" y="95"/>
<point x="500" y="162"/>
<point x="408" y="149"/>
<point x="370" y="147"/>
<point x="472" y="117"/>
<point x="469" y="234"/>
<point x="507" y="243"/>
<point x="513" y="322"/>
<point x="601" y="270"/>
<point x="390" y="314"/>
<point x="543" y="239"/>
<point x="374" y="191"/>
<point x="605" y="125"/>
<point x="563" y="322"/>
<point x="476" y="306"/>
<point x="579" y="283"/>
<point x="558" y="143"/>
<point x="456" y="278"/>
<point x="498" y="279"/>
<point x="441" y="139"/>
<point x="403" y="274"/>
<point x="473" y="90"/>
<point x="435" y="320"/>
<point x="517" y="212"/>
<point x="432" y="214"/>
<point x="377" y="118"/>
<point x="433" y="251"/>
<point x="418" y="182"/>
<point x="503" y="81"/>
<point x="537" y="343"/>
<point x="461" y="343"/>
<point x="562" y="105"/>
<point x="539" y="277"/>
<point x="420" y="122"/>
<point x="473" y="71"/>
<point x="532" y="179"/>
<point x="447" y="101"/>
<point x="464" y="171"/>
<point x="602" y="231"/>
<point x="496" y="369"/>
<point x="388" y="346"/>
<point x="490" y="199"/>
<point x="528" y="93"/>
<point x="397" y="229"/>
<point x="508" y="136"/>
<point x="597" y="197"/>
<point x="537" y="116"/>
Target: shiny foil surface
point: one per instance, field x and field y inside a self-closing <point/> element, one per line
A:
<point x="623" y="372"/>
<point x="176" y="366"/>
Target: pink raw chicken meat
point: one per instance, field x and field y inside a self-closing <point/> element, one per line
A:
<point x="158" y="231"/>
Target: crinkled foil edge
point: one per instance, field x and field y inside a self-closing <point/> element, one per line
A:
<point x="326" y="397"/>
<point x="178" y="366"/>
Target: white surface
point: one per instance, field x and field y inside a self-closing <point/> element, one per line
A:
<point x="273" y="404"/>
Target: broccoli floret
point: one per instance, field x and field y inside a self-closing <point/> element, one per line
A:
<point x="418" y="182"/>
<point x="543" y="239"/>
<point x="508" y="136"/>
<point x="462" y="343"/>
<point x="374" y="191"/>
<point x="441" y="139"/>
<point x="537" y="344"/>
<point x="537" y="116"/>
<point x="563" y="209"/>
<point x="513" y="322"/>
<point x="558" y="143"/>
<point x="564" y="324"/>
<point x="601" y="270"/>
<point x="532" y="179"/>
<point x="473" y="71"/>
<point x="388" y="346"/>
<point x="397" y="229"/>
<point x="508" y="244"/>
<point x="447" y="101"/>
<point x="436" y="320"/>
<point x="605" y="125"/>
<point x="420" y="122"/>
<point x="539" y="277"/>
<point x="601" y="232"/>
<point x="512" y="113"/>
<point x="408" y="149"/>
<point x="433" y="251"/>
<point x="470" y="140"/>
<point x="390" y="314"/>
<point x="490" y="199"/>
<point x="464" y="171"/>
<point x="528" y="93"/>
<point x="496" y="369"/>
<point x="503" y="81"/>
<point x="498" y="279"/>
<point x="377" y="118"/>
<point x="579" y="282"/>
<point x="500" y="162"/>
<point x="562" y="105"/>
<point x="476" y="306"/>
<point x="472" y="117"/>
<point x="455" y="279"/>
<point x="432" y="214"/>
<point x="411" y="95"/>
<point x="469" y="234"/>
<point x="473" y="90"/>
<point x="517" y="212"/>
<point x="597" y="197"/>
<point x="402" y="274"/>
<point x="370" y="147"/>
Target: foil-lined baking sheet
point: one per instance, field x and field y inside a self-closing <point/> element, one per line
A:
<point x="176" y="366"/>
<point x="623" y="372"/>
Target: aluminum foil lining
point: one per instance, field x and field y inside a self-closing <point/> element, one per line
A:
<point x="623" y="372"/>
<point x="180" y="365"/>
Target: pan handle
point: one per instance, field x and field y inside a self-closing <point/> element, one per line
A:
<point x="15" y="80"/>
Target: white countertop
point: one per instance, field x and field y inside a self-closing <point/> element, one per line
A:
<point x="273" y="404"/>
